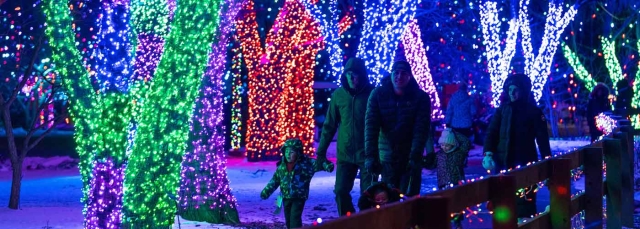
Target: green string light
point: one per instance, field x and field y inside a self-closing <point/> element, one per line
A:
<point x="153" y="171"/>
<point x="76" y="82"/>
<point x="611" y="60"/>
<point x="150" y="16"/>
<point x="578" y="68"/>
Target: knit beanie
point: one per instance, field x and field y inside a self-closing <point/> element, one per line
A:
<point x="294" y="143"/>
<point x="448" y="137"/>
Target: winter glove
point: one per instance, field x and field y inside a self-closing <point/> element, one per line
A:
<point x="328" y="166"/>
<point x="488" y="162"/>
<point x="264" y="195"/>
<point x="320" y="164"/>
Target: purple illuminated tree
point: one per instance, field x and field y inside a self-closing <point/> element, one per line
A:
<point x="204" y="193"/>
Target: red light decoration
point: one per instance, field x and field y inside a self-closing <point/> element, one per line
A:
<point x="280" y="78"/>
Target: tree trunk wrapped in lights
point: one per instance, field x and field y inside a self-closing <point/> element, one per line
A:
<point x="280" y="78"/>
<point x="153" y="172"/>
<point x="102" y="113"/>
<point x="204" y="193"/>
<point x="109" y="116"/>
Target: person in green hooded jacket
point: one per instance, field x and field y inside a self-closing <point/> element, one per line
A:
<point x="346" y="115"/>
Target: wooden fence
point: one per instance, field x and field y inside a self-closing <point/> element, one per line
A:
<point x="434" y="209"/>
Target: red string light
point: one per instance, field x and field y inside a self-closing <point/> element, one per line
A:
<point x="280" y="77"/>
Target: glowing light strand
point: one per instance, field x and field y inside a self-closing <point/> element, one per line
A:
<point x="578" y="68"/>
<point x="329" y="25"/>
<point x="237" y="91"/>
<point x="538" y="66"/>
<point x="605" y="123"/>
<point x="150" y="19"/>
<point x="498" y="58"/>
<point x="384" y="23"/>
<point x="153" y="171"/>
<point x="417" y="57"/>
<point x="280" y="94"/>
<point x="611" y="60"/>
<point x="106" y="186"/>
<point x="204" y="193"/>
<point x="77" y="83"/>
<point x="636" y="87"/>
<point x="113" y="65"/>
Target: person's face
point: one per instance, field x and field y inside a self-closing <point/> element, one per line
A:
<point x="400" y="78"/>
<point x="514" y="93"/>
<point x="446" y="147"/>
<point x="290" y="154"/>
<point x="353" y="79"/>
<point x="381" y="198"/>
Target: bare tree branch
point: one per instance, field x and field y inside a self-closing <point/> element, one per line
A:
<point x="56" y="121"/>
<point x="25" y="77"/>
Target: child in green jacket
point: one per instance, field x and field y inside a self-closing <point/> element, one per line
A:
<point x="293" y="176"/>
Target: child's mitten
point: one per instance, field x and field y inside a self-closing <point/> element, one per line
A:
<point x="488" y="162"/>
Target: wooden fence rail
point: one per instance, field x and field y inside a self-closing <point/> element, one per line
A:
<point x="434" y="209"/>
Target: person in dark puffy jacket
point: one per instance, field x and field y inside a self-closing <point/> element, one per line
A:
<point x="460" y="112"/>
<point x="378" y="195"/>
<point x="293" y="176"/>
<point x="598" y="103"/>
<point x="623" y="99"/>
<point x="397" y="125"/>
<point x="346" y="113"/>
<point x="515" y="128"/>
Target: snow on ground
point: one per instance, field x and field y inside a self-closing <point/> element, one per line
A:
<point x="51" y="196"/>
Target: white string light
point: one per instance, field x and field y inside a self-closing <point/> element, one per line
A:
<point x="330" y="32"/>
<point x="538" y="67"/>
<point x="498" y="59"/>
<point x="383" y="26"/>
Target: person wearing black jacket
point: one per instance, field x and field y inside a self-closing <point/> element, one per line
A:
<point x="598" y="103"/>
<point x="346" y="112"/>
<point x="517" y="125"/>
<point x="397" y="125"/>
<point x="623" y="99"/>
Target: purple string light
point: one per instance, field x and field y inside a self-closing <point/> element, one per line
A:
<point x="204" y="185"/>
<point x="148" y="53"/>
<point x="105" y="196"/>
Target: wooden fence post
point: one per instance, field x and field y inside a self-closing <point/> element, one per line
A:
<point x="627" y="174"/>
<point x="503" y="196"/>
<point x="612" y="150"/>
<point x="593" y="187"/>
<point x="560" y="193"/>
<point x="433" y="213"/>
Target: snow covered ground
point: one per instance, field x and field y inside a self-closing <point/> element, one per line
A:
<point x="51" y="195"/>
